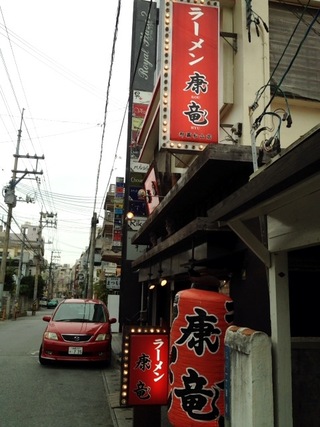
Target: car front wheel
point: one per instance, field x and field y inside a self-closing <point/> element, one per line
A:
<point x="42" y="361"/>
<point x="107" y="362"/>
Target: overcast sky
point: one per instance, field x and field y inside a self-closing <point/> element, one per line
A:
<point x="55" y="64"/>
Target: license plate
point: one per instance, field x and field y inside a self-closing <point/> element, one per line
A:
<point x="75" y="350"/>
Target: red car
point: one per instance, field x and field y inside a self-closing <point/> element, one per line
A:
<point x="78" y="330"/>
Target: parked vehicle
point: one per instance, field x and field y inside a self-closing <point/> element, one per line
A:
<point x="52" y="303"/>
<point x="79" y="330"/>
<point x="43" y="302"/>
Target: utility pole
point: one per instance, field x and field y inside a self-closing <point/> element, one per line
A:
<point x="11" y="200"/>
<point x="54" y="256"/>
<point x="50" y="221"/>
<point x="49" y="292"/>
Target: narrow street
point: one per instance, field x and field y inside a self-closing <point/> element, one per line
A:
<point x="32" y="395"/>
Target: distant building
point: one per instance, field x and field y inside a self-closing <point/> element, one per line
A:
<point x="23" y="246"/>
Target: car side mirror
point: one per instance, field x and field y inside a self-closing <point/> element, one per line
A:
<point x="112" y="320"/>
<point x="46" y="318"/>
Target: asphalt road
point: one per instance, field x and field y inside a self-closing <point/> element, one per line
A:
<point x="32" y="395"/>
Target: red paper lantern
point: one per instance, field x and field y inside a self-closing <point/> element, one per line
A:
<point x="196" y="382"/>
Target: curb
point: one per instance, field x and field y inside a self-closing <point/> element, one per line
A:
<point x="121" y="417"/>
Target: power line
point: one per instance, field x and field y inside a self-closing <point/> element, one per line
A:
<point x="107" y="100"/>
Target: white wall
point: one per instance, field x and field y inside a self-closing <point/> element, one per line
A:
<point x="113" y="307"/>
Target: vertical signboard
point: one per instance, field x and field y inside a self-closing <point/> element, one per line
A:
<point x="144" y="39"/>
<point x="189" y="110"/>
<point x="143" y="65"/>
<point x="142" y="84"/>
<point x="140" y="104"/>
<point x="118" y="214"/>
<point x="143" y="69"/>
<point x="144" y="375"/>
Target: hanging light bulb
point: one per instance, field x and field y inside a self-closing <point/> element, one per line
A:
<point x="163" y="282"/>
<point x="129" y="215"/>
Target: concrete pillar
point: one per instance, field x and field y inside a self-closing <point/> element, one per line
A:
<point x="248" y="379"/>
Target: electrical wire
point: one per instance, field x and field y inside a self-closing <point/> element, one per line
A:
<point x="44" y="196"/>
<point x="45" y="59"/>
<point x="258" y="120"/>
<point x="127" y="106"/>
<point x="129" y="97"/>
<point x="268" y="84"/>
<point x="38" y="190"/>
<point x="107" y="103"/>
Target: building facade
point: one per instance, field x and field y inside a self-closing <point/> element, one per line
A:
<point x="23" y="248"/>
<point x="242" y="207"/>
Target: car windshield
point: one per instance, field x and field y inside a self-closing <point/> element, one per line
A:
<point x="80" y="312"/>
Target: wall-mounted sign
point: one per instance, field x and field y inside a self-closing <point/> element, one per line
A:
<point x="144" y="372"/>
<point x="189" y="108"/>
<point x="151" y="191"/>
<point x="118" y="212"/>
<point x="136" y="223"/>
<point x="113" y="283"/>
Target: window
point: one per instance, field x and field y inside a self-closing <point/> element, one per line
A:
<point x="303" y="79"/>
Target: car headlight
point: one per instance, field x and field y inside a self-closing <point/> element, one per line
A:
<point x="102" y="337"/>
<point x="51" y="336"/>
